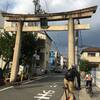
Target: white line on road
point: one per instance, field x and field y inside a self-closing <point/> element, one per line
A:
<point x="34" y="80"/>
<point x="38" y="78"/>
<point x="6" y="88"/>
<point x="45" y="95"/>
<point x="53" y="86"/>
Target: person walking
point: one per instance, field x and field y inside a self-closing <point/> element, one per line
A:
<point x="69" y="83"/>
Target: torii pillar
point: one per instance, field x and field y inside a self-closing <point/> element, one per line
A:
<point x="71" y="48"/>
<point x="16" y="55"/>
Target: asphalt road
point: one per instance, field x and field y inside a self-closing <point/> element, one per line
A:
<point x="45" y="88"/>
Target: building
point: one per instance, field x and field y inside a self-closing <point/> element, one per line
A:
<point x="93" y="56"/>
<point x="45" y="51"/>
<point x="52" y="57"/>
<point x="61" y="61"/>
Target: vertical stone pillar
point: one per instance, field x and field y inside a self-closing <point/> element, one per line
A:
<point x="16" y="54"/>
<point x="71" y="49"/>
<point x="45" y="56"/>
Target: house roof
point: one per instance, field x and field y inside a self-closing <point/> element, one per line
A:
<point x="91" y="49"/>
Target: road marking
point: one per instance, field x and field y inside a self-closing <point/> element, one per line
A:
<point x="38" y="78"/>
<point x="4" y="89"/>
<point x="45" y="95"/>
<point x="59" y="82"/>
<point x="53" y="86"/>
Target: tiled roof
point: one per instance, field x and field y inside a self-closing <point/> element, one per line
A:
<point x="92" y="49"/>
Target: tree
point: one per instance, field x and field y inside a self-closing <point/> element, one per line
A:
<point x="6" y="46"/>
<point x="6" y="49"/>
<point x="29" y="42"/>
<point x="85" y="66"/>
<point x="7" y="42"/>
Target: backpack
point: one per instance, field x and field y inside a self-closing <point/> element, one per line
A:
<point x="70" y="74"/>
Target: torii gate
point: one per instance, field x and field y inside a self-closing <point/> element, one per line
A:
<point x="70" y="16"/>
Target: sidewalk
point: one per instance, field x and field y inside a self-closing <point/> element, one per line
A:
<point x="24" y="81"/>
<point x="77" y="93"/>
<point x="83" y="95"/>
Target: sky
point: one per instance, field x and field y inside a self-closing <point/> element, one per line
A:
<point x="88" y="37"/>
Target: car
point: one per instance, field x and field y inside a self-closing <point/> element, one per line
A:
<point x="58" y="70"/>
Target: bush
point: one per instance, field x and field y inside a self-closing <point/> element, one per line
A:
<point x="85" y="66"/>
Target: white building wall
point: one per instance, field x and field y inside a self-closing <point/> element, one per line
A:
<point x="98" y="76"/>
<point x="7" y="24"/>
<point x="2" y="63"/>
<point x="97" y="54"/>
<point x="61" y="61"/>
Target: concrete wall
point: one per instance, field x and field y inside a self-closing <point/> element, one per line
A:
<point x="98" y="76"/>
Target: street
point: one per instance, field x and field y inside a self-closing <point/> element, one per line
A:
<point x="45" y="88"/>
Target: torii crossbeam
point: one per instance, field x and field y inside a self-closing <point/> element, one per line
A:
<point x="70" y="16"/>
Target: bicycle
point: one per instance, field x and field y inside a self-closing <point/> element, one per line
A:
<point x="89" y="90"/>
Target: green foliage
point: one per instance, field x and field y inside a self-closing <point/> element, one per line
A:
<point x="84" y="66"/>
<point x="6" y="46"/>
<point x="28" y="47"/>
<point x="29" y="44"/>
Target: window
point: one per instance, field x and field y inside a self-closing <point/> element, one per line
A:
<point x="91" y="54"/>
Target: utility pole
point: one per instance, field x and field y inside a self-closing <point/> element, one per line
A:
<point x="76" y="46"/>
<point x="38" y="9"/>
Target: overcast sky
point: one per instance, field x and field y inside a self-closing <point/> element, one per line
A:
<point x="90" y="37"/>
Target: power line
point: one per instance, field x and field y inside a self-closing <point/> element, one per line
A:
<point x="56" y="47"/>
